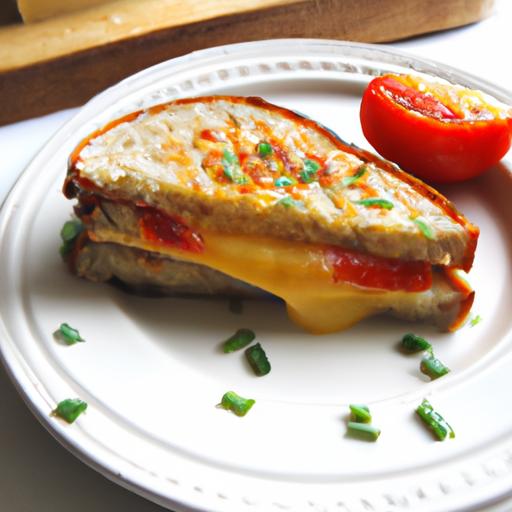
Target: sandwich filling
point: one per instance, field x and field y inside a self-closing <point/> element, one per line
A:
<point x="275" y="200"/>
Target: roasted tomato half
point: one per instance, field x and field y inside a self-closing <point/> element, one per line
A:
<point x="438" y="131"/>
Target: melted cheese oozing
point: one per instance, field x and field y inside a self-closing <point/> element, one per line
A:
<point x="296" y="272"/>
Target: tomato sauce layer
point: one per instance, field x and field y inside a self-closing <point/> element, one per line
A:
<point x="160" y="228"/>
<point x="381" y="273"/>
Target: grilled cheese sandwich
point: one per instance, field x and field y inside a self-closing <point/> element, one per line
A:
<point x="253" y="193"/>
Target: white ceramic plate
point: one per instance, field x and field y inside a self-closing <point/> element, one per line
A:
<point x="151" y="369"/>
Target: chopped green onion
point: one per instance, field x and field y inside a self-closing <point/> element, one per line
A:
<point x="236" y="306"/>
<point x="432" y="367"/>
<point x="264" y="149"/>
<point x="375" y="201"/>
<point x="70" y="409"/>
<point x="360" y="413"/>
<point x="350" y="180"/>
<point x="284" y="181"/>
<point x="235" y="403"/>
<point x="239" y="340"/>
<point x="413" y="343"/>
<point x="434" y="421"/>
<point x="424" y="228"/>
<point x="68" y="334"/>
<point x="71" y="229"/>
<point x="288" y="201"/>
<point x="309" y="171"/>
<point x="364" y="430"/>
<point x="69" y="232"/>
<point x="258" y="360"/>
<point x="231" y="166"/>
<point x="475" y="320"/>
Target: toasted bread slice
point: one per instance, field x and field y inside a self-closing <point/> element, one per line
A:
<point x="205" y="160"/>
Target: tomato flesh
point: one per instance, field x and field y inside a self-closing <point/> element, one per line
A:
<point x="163" y="229"/>
<point x="381" y="273"/>
<point x="412" y="99"/>
<point x="428" y="138"/>
<point x="209" y="135"/>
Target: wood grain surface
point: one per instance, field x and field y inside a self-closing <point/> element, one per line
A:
<point x="62" y="62"/>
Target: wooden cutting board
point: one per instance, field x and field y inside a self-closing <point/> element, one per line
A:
<point x="62" y="62"/>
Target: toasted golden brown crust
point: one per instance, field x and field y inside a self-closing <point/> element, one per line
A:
<point x="324" y="211"/>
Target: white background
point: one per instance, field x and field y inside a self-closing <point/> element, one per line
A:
<point x="36" y="473"/>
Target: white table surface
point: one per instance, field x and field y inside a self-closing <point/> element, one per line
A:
<point x="36" y="473"/>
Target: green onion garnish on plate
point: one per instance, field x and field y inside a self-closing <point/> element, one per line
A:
<point x="434" y="421"/>
<point x="239" y="340"/>
<point x="69" y="335"/>
<point x="70" y="409"/>
<point x="360" y="413"/>
<point x="363" y="430"/>
<point x="475" y="321"/>
<point x="68" y="234"/>
<point x="413" y="343"/>
<point x="375" y="201"/>
<point x="258" y="360"/>
<point x="432" y="367"/>
<point x="350" y="180"/>
<point x="235" y="403"/>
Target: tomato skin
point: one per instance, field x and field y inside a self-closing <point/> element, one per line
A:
<point x="435" y="149"/>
